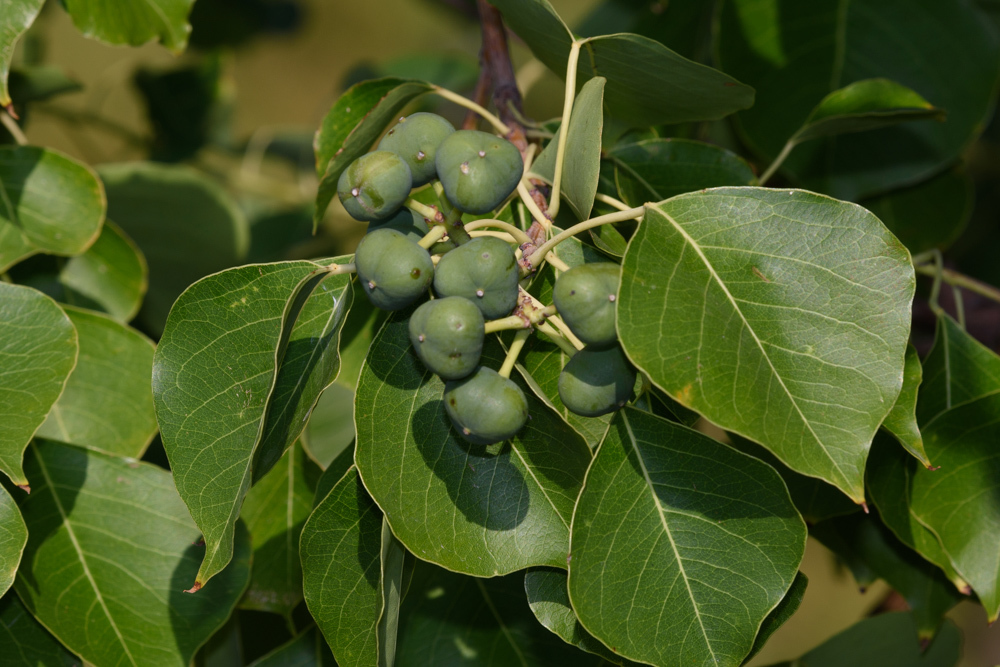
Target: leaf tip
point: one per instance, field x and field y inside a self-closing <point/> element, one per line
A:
<point x="24" y="487"/>
<point x="194" y="589"/>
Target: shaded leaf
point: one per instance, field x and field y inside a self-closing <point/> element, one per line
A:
<point x="681" y="25"/>
<point x="17" y="17"/>
<point x="24" y="642"/>
<point x="764" y="291"/>
<point x="38" y="353"/>
<point x="112" y="274"/>
<point x="902" y="419"/>
<point x="36" y="83"/>
<point x="133" y="22"/>
<point x="180" y="103"/>
<point x="780" y="614"/>
<point x="708" y="526"/>
<point x="13" y="537"/>
<point x="331" y="425"/>
<point x="114" y="538"/>
<point x="307" y="650"/>
<point x="107" y="404"/>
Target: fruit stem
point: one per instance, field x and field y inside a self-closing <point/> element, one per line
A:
<point x="536" y="257"/>
<point x="789" y="145"/>
<point x="520" y="338"/>
<point x="436" y="234"/>
<point x="574" y="57"/>
<point x="518" y="235"/>
<point x="957" y="279"/>
<point x="506" y="324"/>
<point x="498" y="124"/>
<point x="452" y="218"/>
<point x="560" y="341"/>
<point x="536" y="212"/>
<point x="428" y="212"/>
<point x="611" y="201"/>
<point x="565" y="330"/>
<point x="15" y="130"/>
<point x="337" y="269"/>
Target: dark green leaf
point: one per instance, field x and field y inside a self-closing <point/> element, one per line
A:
<point x="307" y="650"/>
<point x="38" y="354"/>
<point x="112" y="274"/>
<point x="682" y="25"/>
<point x="734" y="301"/>
<point x="40" y="82"/>
<point x="180" y="102"/>
<point x="16" y="18"/>
<point x="780" y="614"/>
<point x="133" y="22"/>
<point x="707" y="526"/>
<point x="114" y="538"/>
<point x="107" y="404"/>
<point x="13" y="537"/>
<point x="24" y="642"/>
<point x="902" y="419"/>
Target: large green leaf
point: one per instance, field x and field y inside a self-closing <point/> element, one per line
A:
<point x="713" y="545"/>
<point x="16" y="18"/>
<point x="735" y="300"/>
<point x="214" y="373"/>
<point x="780" y="614"/>
<point x="479" y="510"/>
<point x="113" y="538"/>
<point x="13" y="537"/>
<point x="274" y="511"/>
<point x="331" y="425"/>
<point x="111" y="275"/>
<point x="815" y="48"/>
<point x="902" y="419"/>
<point x="24" y="642"/>
<point x="107" y="404"/>
<point x="186" y="226"/>
<point x="31" y="219"/>
<point x="38" y="353"/>
<point x="133" y="22"/>
<point x="350" y="128"/>
<point x="648" y="84"/>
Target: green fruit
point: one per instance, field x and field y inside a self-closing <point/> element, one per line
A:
<point x="406" y="221"/>
<point x="478" y="170"/>
<point x="484" y="271"/>
<point x="392" y="269"/>
<point x="374" y="186"/>
<point x="585" y="298"/>
<point x="485" y="408"/>
<point x="595" y="382"/>
<point x="448" y="336"/>
<point x="416" y="139"/>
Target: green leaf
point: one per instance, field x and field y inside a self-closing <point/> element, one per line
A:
<point x="931" y="214"/>
<point x="274" y="511"/>
<point x="24" y="642"/>
<point x="648" y="84"/>
<point x="902" y="419"/>
<point x="582" y="161"/>
<point x="449" y="620"/>
<point x="478" y="510"/>
<point x="17" y="17"/>
<point x="186" y="226"/>
<point x="707" y="526"/>
<point x="111" y="275"/>
<point x="862" y="538"/>
<point x="307" y="650"/>
<point x="816" y="48"/>
<point x="183" y="104"/>
<point x="31" y="219"/>
<point x="350" y="564"/>
<point x="214" y="373"/>
<point x="350" y="128"/>
<point x="549" y="602"/>
<point x="107" y="404"/>
<point x="734" y="301"/>
<point x="13" y="537"/>
<point x="38" y="354"/>
<point x="113" y="537"/>
<point x="35" y="83"/>
<point x="331" y="425"/>
<point x="780" y="614"/>
<point x="133" y="22"/>
<point x="682" y="25"/>
<point x="657" y="169"/>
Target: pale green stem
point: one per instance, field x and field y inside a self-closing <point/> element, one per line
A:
<point x="12" y="127"/>
<point x="469" y="104"/>
<point x="574" y="57"/>
<point x="421" y="209"/>
<point x="611" y="201"/>
<point x="529" y="159"/>
<point x="452" y="218"/>
<point x="621" y="216"/>
<point x="959" y="280"/>
<point x="789" y="145"/>
<point x="518" y="235"/>
<point x="520" y="338"/>
<point x="336" y="269"/>
<point x="503" y="236"/>
<point x="506" y="323"/>
<point x="959" y="305"/>
<point x="436" y="234"/>
<point x="554" y="260"/>
<point x="557" y="338"/>
<point x="936" y="287"/>
<point x="536" y="213"/>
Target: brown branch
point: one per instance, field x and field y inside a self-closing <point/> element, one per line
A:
<point x="481" y="93"/>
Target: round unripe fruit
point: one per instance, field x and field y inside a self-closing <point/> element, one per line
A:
<point x="484" y="271"/>
<point x="392" y="269"/>
<point x="416" y="139"/>
<point x="485" y="408"/>
<point x="585" y="298"/>
<point x="411" y="224"/>
<point x="595" y="382"/>
<point x="478" y="170"/>
<point x="374" y="186"/>
<point x="448" y="336"/>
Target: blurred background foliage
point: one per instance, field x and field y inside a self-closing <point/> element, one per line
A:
<point x="213" y="150"/>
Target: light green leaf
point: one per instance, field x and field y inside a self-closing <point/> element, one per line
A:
<point x="112" y="274"/>
<point x="37" y="356"/>
<point x="648" y="84"/>
<point x="31" y="219"/>
<point x="15" y="20"/>
<point x="107" y="404"/>
<point x="796" y="55"/>
<point x="657" y="169"/>
<point x="24" y="642"/>
<point x="780" y="614"/>
<point x="133" y="22"/>
<point x="274" y="511"/>
<point x="350" y="128"/>
<point x="734" y="300"/>
<point x="714" y="545"/>
<point x="902" y="419"/>
<point x="186" y="226"/>
<point x="214" y="373"/>
<point x="582" y="161"/>
<point x="113" y="537"/>
<point x="331" y="425"/>
<point x="307" y="650"/>
<point x="483" y="511"/>
<point x="13" y="537"/>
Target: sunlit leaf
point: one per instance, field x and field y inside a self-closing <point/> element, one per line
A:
<point x="133" y="22"/>
<point x="13" y="537"/>
<point x="16" y="18"/>
<point x="111" y="275"/>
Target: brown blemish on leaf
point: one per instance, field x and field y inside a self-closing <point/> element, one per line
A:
<point x="760" y="275"/>
<point x="684" y="395"/>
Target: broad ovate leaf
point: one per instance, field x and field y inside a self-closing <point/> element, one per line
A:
<point x="17" y="17"/>
<point x="714" y="545"/>
<point x="780" y="614"/>
<point x="780" y="315"/>
<point x="107" y="404"/>
<point x="13" y="537"/>
<point x="483" y="511"/>
<point x="23" y="640"/>
<point x="133" y="22"/>
<point x="113" y="537"/>
<point x="38" y="352"/>
<point x="902" y="419"/>
<point x="112" y="275"/>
